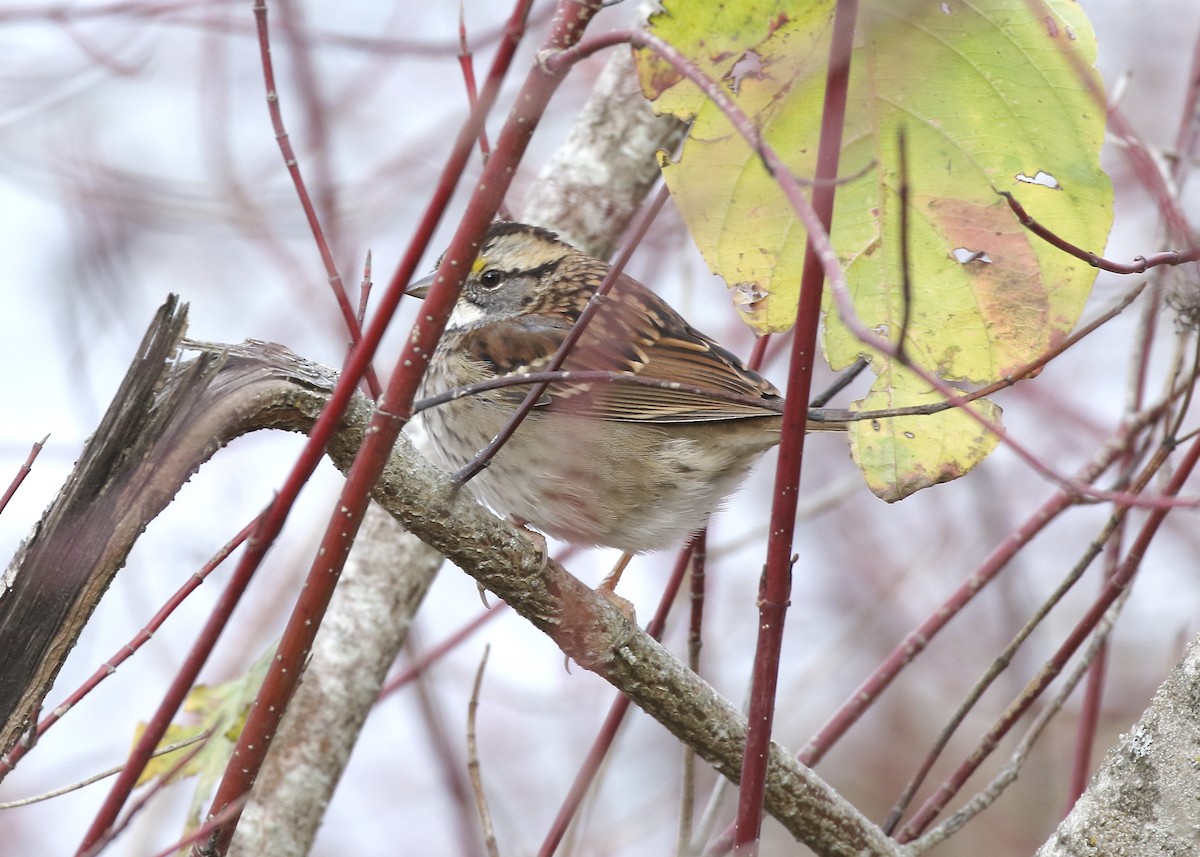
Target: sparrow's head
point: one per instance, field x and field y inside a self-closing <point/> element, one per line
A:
<point x="521" y="270"/>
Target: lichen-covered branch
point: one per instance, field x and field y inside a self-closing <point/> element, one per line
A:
<point x="227" y="391"/>
<point x="1142" y="801"/>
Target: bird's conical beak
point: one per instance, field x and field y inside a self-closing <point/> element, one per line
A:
<point x="420" y="288"/>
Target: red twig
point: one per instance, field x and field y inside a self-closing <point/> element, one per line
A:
<point x="1140" y="264"/>
<point x="919" y="638"/>
<point x="467" y="64"/>
<point x="1187" y="138"/>
<point x="8" y="762"/>
<point x="612" y="722"/>
<point x="394" y="406"/>
<point x="775" y="590"/>
<point x="1091" y="704"/>
<point x="433" y="655"/>
<point x="272" y="522"/>
<point x="1146" y="168"/>
<point x="364" y="292"/>
<point x="22" y="472"/>
<point x="695" y="643"/>
<point x="292" y="162"/>
<point x="699" y="546"/>
<point x="1113" y="589"/>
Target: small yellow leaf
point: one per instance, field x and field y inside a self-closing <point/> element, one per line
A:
<point x="220" y="710"/>
<point x="160" y="766"/>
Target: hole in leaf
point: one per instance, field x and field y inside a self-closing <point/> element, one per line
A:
<point x="749" y="66"/>
<point x="748" y="297"/>
<point x="946" y="10"/>
<point x="964" y="256"/>
<point x="1041" y="177"/>
<point x="748" y="292"/>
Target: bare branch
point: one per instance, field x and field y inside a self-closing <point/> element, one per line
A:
<point x="231" y="390"/>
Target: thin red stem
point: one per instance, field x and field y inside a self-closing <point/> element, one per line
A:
<point x="292" y="163"/>
<point x="775" y="589"/>
<point x="864" y="696"/>
<point x="1139" y="265"/>
<point x="466" y="62"/>
<point x="436" y="653"/>
<point x="8" y="762"/>
<point x="1089" y="719"/>
<point x="22" y="472"/>
<point x="1114" y="587"/>
<point x="394" y="406"/>
<point x="314" y="450"/>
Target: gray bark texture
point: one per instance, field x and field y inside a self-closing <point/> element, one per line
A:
<point x="1145" y="799"/>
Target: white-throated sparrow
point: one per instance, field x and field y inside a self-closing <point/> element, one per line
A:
<point x="618" y="465"/>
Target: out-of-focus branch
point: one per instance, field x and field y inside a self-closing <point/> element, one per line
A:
<point x="1142" y="800"/>
<point x="590" y="189"/>
<point x="385" y="580"/>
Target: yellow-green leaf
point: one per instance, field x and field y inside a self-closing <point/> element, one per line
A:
<point x="990" y="96"/>
<point x="771" y="58"/>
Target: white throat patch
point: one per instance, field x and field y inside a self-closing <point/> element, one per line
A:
<point x="465" y="314"/>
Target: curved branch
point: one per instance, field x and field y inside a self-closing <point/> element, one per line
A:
<point x="227" y="391"/>
<point x="586" y="626"/>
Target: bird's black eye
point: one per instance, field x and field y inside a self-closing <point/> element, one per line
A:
<point x="491" y="278"/>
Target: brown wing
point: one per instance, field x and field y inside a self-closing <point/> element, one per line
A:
<point x="638" y="333"/>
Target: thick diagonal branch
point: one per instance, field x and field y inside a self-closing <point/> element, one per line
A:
<point x="584" y="625"/>
<point x="167" y="421"/>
